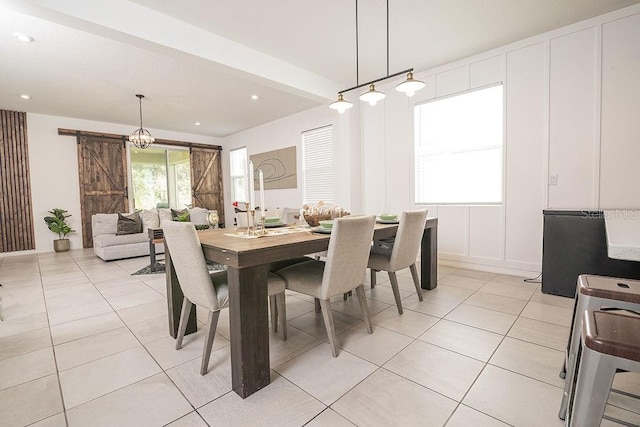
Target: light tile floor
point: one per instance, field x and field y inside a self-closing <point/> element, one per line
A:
<point x="84" y="343"/>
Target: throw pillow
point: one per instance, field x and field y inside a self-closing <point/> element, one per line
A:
<point x="129" y="224"/>
<point x="182" y="216"/>
<point x="149" y="219"/>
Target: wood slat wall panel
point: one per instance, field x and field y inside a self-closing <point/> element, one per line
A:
<point x="16" y="213"/>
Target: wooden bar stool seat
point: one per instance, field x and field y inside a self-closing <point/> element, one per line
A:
<point x="594" y="293"/>
<point x="610" y="342"/>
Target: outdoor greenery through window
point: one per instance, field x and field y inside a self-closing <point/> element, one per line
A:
<point x="458" y="148"/>
<point x="160" y="178"/>
<point x="237" y="166"/>
<point x="317" y="161"/>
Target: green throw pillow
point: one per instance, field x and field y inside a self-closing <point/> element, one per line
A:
<point x="129" y="224"/>
<point x="182" y="216"/>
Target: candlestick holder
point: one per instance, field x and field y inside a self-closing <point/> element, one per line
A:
<point x="252" y="226"/>
<point x="246" y="208"/>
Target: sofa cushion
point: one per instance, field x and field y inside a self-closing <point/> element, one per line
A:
<point x="129" y="224"/>
<point x="150" y="219"/>
<point x="104" y="224"/>
<point x="199" y="215"/>
<point x="106" y="240"/>
<point x="164" y="214"/>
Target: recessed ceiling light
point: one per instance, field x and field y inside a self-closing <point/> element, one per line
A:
<point x="254" y="97"/>
<point x="197" y="123"/>
<point x="23" y="37"/>
<point x="25" y="96"/>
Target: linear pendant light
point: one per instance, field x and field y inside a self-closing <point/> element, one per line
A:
<point x="372" y="96"/>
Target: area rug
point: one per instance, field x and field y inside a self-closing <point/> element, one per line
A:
<point x="160" y="268"/>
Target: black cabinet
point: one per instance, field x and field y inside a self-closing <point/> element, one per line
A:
<point x="574" y="243"/>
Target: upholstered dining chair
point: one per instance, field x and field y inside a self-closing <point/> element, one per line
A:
<point x="402" y="254"/>
<point x="209" y="290"/>
<point x="344" y="270"/>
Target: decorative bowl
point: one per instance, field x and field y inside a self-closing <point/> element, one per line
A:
<point x="314" y="220"/>
<point x="389" y="217"/>
<point x="326" y="223"/>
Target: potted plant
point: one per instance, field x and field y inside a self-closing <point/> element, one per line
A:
<point x="57" y="223"/>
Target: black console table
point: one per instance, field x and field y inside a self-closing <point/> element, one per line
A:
<point x="574" y="243"/>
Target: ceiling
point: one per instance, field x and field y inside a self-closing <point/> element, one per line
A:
<point x="201" y="60"/>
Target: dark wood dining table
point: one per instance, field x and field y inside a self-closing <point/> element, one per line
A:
<point x="247" y="262"/>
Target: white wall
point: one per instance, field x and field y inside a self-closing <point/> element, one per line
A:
<point x="287" y="132"/>
<point x="53" y="163"/>
<point x="572" y="102"/>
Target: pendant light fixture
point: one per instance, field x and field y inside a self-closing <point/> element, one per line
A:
<point x="341" y="105"/>
<point x="141" y="137"/>
<point x="410" y="86"/>
<point x="372" y="96"/>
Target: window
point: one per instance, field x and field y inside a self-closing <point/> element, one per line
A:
<point x="160" y="177"/>
<point x="458" y="148"/>
<point x="317" y="153"/>
<point x="237" y="166"/>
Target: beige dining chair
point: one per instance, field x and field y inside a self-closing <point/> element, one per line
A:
<point x="209" y="290"/>
<point x="402" y="254"/>
<point x="344" y="270"/>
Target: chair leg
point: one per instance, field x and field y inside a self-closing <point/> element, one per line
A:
<point x="316" y="302"/>
<point x="346" y="295"/>
<point x="208" y="343"/>
<point x="282" y="314"/>
<point x="373" y="278"/>
<point x="362" y="299"/>
<point x="396" y="290"/>
<point x="416" y="280"/>
<point x="273" y="306"/>
<point x="327" y="314"/>
<point x="184" y="319"/>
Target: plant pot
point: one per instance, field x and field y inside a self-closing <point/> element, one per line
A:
<point x="61" y="245"/>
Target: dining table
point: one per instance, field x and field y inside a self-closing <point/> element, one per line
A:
<point x="247" y="263"/>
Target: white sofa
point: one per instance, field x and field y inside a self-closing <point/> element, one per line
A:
<point x="109" y="246"/>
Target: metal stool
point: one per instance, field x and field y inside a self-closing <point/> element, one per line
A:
<point x="610" y="342"/>
<point x="594" y="293"/>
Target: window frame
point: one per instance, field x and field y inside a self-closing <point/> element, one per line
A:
<point x="234" y="178"/>
<point x="501" y="147"/>
<point x="326" y="169"/>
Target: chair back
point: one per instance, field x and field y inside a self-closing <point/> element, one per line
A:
<point x="408" y="238"/>
<point x="188" y="260"/>
<point x="347" y="255"/>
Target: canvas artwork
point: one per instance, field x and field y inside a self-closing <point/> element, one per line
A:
<point x="278" y="168"/>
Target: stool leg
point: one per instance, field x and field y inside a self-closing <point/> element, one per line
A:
<point x="595" y="377"/>
<point x="576" y="314"/>
<point x="582" y="304"/>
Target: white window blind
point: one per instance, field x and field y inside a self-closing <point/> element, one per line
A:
<point x="317" y="152"/>
<point x="237" y="165"/>
<point x="458" y="148"/>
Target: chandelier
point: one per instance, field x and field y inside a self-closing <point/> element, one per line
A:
<point x="141" y="137"/>
<point x="372" y="96"/>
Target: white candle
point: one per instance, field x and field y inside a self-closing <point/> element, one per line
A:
<point x="246" y="184"/>
<point x="263" y="210"/>
<point x="252" y="202"/>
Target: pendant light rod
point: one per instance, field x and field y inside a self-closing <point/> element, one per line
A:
<point x="388" y="38"/>
<point x="139" y="96"/>
<point x="357" y="51"/>
<point x="377" y="80"/>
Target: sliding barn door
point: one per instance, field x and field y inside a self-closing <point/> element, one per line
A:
<point x="206" y="179"/>
<point x="16" y="215"/>
<point x="102" y="165"/>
